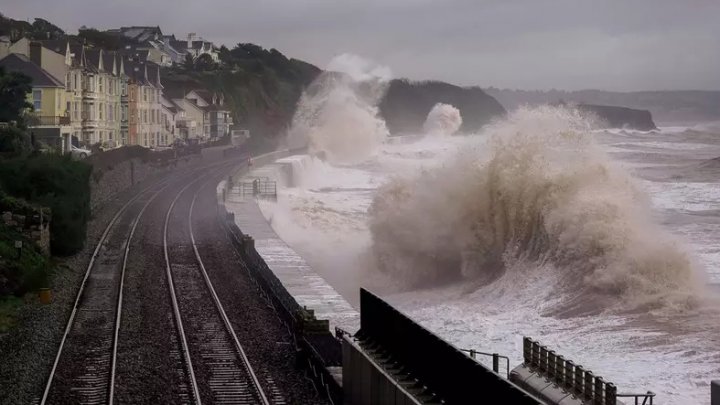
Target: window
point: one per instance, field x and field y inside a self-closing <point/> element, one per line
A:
<point x="37" y="100"/>
<point x="100" y="84"/>
<point x="111" y="115"/>
<point x="68" y="109"/>
<point x="101" y="107"/>
<point x="76" y="112"/>
<point x="144" y="92"/>
<point x="110" y="135"/>
<point x="124" y="112"/>
<point x="57" y="101"/>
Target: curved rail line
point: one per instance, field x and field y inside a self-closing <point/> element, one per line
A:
<point x="118" y="311"/>
<point x="173" y="299"/>
<point x="88" y="271"/>
<point x="221" y="310"/>
<point x="229" y="382"/>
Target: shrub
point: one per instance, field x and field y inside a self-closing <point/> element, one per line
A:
<point x="59" y="183"/>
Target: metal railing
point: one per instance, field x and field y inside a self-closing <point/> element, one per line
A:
<point x="258" y="188"/>
<point x="572" y="377"/>
<point x="52" y="120"/>
<point x="645" y="397"/>
<point x="495" y="360"/>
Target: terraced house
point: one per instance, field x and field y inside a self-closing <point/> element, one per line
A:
<point x="144" y="106"/>
<point x="101" y="98"/>
<point x="111" y="98"/>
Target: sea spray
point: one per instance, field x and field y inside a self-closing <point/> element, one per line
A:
<point x="544" y="192"/>
<point x="443" y="119"/>
<point x="337" y="116"/>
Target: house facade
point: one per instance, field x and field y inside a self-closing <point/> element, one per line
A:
<point x="144" y="105"/>
<point x="112" y="98"/>
<point x="50" y="124"/>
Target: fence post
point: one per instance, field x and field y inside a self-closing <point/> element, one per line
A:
<point x="527" y="350"/>
<point x="559" y="370"/>
<point x="542" y="366"/>
<point x="578" y="381"/>
<point x="588" y="388"/>
<point x="599" y="391"/>
<point x="132" y="172"/>
<point x="610" y="394"/>
<point x="551" y="365"/>
<point x="535" y="355"/>
<point x="472" y="353"/>
<point x="569" y="376"/>
<point x="496" y="363"/>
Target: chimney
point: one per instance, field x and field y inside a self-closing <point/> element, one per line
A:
<point x="191" y="37"/>
<point x="36" y="53"/>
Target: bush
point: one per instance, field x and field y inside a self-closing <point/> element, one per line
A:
<point x="14" y="141"/>
<point x="28" y="273"/>
<point x="59" y="183"/>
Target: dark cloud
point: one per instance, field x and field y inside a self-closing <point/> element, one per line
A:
<point x="569" y="44"/>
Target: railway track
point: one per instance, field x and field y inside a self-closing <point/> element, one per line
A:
<point x="218" y="368"/>
<point x="205" y="348"/>
<point x="83" y="368"/>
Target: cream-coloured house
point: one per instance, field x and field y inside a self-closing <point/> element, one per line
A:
<point x="48" y="97"/>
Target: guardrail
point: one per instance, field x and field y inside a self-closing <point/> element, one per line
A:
<point x="572" y="377"/>
<point x="495" y="360"/>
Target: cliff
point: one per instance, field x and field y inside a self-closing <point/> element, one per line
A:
<point x="620" y="117"/>
<point x="669" y="107"/>
<point x="406" y="105"/>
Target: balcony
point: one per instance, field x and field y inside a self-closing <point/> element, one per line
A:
<point x="51" y="121"/>
<point x="90" y="94"/>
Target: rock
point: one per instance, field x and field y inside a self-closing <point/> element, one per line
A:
<point x="406" y="105"/>
<point x="620" y="117"/>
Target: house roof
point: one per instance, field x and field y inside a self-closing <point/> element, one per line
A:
<point x="169" y="104"/>
<point x="22" y="64"/>
<point x="136" y="71"/>
<point x="175" y="93"/>
<point x="141" y="34"/>
<point x="206" y="95"/>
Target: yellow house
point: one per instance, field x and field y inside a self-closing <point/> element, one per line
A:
<point x="49" y="101"/>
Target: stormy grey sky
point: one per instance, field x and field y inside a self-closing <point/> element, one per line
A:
<point x="531" y="44"/>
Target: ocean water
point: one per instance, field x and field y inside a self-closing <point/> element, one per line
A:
<point x="642" y="313"/>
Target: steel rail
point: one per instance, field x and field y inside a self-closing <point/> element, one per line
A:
<point x="118" y="310"/>
<point x="219" y="306"/>
<point x="90" y="266"/>
<point x="173" y="297"/>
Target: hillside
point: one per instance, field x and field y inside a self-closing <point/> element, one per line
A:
<point x="621" y="117"/>
<point x="667" y="107"/>
<point x="262" y="86"/>
<point x="406" y="105"/>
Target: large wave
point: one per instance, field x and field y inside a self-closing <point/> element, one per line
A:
<point x="337" y="116"/>
<point x="540" y="190"/>
<point x="443" y="119"/>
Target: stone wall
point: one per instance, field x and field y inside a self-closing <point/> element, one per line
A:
<point x="33" y="225"/>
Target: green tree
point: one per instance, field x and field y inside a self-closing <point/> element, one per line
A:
<point x="189" y="62"/>
<point x="43" y="29"/>
<point x="14" y="88"/>
<point x="205" y="63"/>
